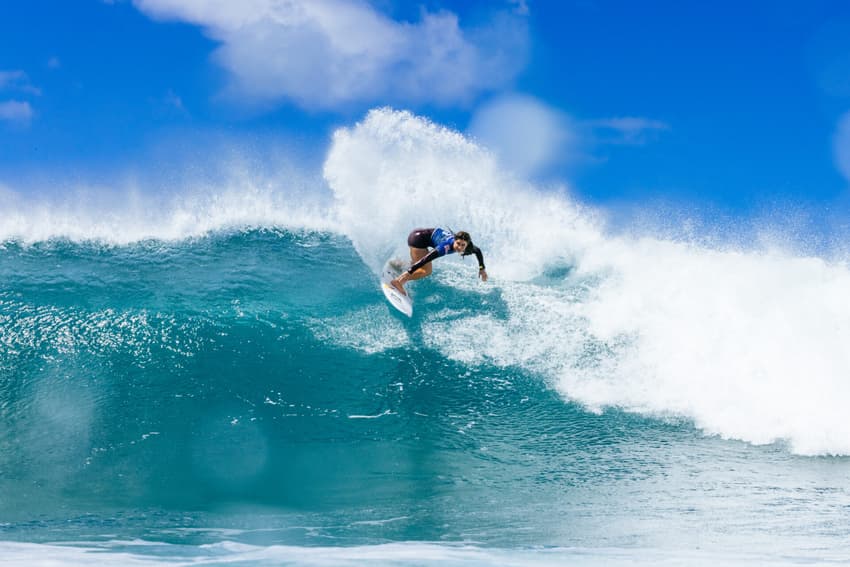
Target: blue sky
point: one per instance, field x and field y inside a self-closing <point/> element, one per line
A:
<point x="736" y="105"/>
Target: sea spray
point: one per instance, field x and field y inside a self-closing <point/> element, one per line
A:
<point x="395" y="171"/>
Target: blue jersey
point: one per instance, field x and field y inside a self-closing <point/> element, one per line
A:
<point x="443" y="241"/>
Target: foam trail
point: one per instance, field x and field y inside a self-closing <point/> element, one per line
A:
<point x="749" y="345"/>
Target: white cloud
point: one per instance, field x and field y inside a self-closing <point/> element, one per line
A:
<point x="17" y="81"/>
<point x="527" y="135"/>
<point x="15" y="111"/>
<point x="841" y="146"/>
<point x="327" y="53"/>
<point x="530" y="136"/>
<point x="11" y="78"/>
<point x="627" y="130"/>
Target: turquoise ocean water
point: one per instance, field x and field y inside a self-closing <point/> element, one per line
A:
<point x="218" y="379"/>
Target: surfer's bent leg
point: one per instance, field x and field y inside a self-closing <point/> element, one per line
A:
<point x="419" y="240"/>
<point x="416" y="254"/>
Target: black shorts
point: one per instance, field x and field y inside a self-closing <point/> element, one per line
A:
<point x="420" y="238"/>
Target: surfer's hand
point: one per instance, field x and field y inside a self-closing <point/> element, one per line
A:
<point x="483" y="275"/>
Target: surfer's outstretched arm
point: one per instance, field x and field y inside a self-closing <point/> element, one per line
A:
<point x="419" y="269"/>
<point x="482" y="273"/>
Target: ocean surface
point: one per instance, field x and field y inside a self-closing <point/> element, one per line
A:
<point x="211" y="376"/>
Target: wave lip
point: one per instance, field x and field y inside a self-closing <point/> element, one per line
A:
<point x="124" y="217"/>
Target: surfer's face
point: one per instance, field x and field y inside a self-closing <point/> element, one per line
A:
<point x="460" y="246"/>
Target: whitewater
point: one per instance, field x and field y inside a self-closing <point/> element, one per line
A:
<point x="211" y="375"/>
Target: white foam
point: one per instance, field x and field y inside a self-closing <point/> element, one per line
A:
<point x="370" y="330"/>
<point x="405" y="553"/>
<point x="748" y="344"/>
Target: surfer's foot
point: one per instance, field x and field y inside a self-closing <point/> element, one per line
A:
<point x="398" y="285"/>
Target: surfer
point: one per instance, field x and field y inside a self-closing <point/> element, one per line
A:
<point x="442" y="242"/>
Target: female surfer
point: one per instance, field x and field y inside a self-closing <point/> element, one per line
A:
<point x="442" y="242"/>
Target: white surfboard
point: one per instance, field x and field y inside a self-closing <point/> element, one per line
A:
<point x="391" y="270"/>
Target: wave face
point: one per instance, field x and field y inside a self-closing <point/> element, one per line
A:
<point x="232" y="353"/>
